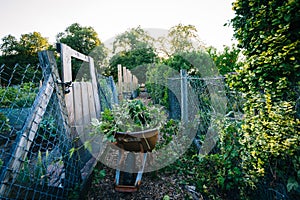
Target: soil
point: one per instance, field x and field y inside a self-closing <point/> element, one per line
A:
<point x="154" y="185"/>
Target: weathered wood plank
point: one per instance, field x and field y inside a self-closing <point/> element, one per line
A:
<point x="125" y="81"/>
<point x="91" y="102"/>
<point x="73" y="53"/>
<point x="86" y="119"/>
<point x="120" y="82"/>
<point x="95" y="87"/>
<point x="129" y="79"/>
<point x="77" y="96"/>
<point x="67" y="77"/>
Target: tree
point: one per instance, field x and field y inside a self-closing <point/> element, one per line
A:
<point x="180" y="38"/>
<point x="29" y="44"/>
<point x="22" y="52"/>
<point x="132" y="49"/>
<point x="136" y="60"/>
<point x="197" y="63"/>
<point x="9" y="45"/>
<point x="84" y="40"/>
<point x="32" y="43"/>
<point x="134" y="38"/>
<point x="227" y="60"/>
<point x="269" y="33"/>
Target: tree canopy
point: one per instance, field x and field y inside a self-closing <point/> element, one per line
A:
<point x="132" y="39"/>
<point x="29" y="44"/>
<point x="80" y="38"/>
<point x="22" y="52"/>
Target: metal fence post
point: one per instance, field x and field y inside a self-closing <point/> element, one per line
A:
<point x="184" y="98"/>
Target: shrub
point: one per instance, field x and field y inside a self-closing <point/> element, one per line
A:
<point x="269" y="31"/>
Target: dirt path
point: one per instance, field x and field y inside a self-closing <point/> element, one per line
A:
<point x="154" y="186"/>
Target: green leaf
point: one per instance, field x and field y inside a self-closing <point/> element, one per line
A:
<point x="87" y="145"/>
<point x="292" y="184"/>
<point x="72" y="151"/>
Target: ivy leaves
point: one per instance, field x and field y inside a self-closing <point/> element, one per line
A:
<point x="269" y="33"/>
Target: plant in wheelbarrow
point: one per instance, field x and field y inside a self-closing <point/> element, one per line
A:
<point x="132" y="126"/>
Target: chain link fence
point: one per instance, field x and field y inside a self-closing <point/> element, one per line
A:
<point x="36" y="161"/>
<point x="207" y="99"/>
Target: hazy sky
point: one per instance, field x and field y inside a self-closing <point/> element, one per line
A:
<point x="112" y="17"/>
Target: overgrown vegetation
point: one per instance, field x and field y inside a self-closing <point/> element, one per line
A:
<point x="269" y="33"/>
<point x="257" y="156"/>
<point x="129" y="116"/>
<point x="18" y="96"/>
<point x="4" y="124"/>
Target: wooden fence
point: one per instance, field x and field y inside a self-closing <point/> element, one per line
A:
<point x="127" y="83"/>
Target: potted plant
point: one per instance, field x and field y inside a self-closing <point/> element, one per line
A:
<point x="131" y="125"/>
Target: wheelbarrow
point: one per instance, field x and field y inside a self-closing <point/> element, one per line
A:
<point x="142" y="142"/>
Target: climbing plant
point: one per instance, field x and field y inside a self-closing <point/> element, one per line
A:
<point x="268" y="31"/>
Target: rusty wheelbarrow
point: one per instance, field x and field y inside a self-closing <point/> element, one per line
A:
<point x="142" y="142"/>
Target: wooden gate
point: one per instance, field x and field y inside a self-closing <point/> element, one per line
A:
<point x="82" y="102"/>
<point x="82" y="99"/>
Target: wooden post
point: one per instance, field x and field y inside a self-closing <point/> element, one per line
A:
<point x="95" y="87"/>
<point x="120" y="81"/>
<point x="125" y="79"/>
<point x="130" y="86"/>
<point x="67" y="77"/>
<point x="66" y="55"/>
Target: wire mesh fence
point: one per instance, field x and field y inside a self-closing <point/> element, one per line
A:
<point x="34" y="156"/>
<point x="36" y="139"/>
<point x="207" y="98"/>
<point x="212" y="99"/>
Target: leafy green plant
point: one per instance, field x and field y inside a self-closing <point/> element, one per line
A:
<point x="4" y="124"/>
<point x="47" y="128"/>
<point x="157" y="83"/>
<point x="129" y="116"/>
<point x="98" y="175"/>
<point x="268" y="32"/>
<point x="227" y="60"/>
<point x="5" y="128"/>
<point x="18" y="96"/>
<point x="218" y="175"/>
<point x="168" y="131"/>
<point x="223" y="176"/>
<point x="33" y="172"/>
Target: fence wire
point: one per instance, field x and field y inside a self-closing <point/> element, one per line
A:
<point x="207" y="98"/>
<point x="211" y="97"/>
<point x="35" y="162"/>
